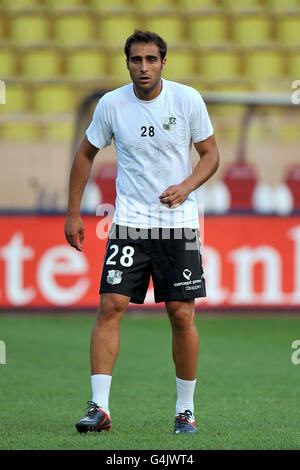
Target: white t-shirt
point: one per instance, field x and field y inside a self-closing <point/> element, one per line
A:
<point x="153" y="145"/>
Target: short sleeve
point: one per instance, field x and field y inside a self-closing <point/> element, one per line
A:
<point x="99" y="132"/>
<point x="200" y="124"/>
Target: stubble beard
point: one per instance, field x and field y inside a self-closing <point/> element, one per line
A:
<point x="146" y="91"/>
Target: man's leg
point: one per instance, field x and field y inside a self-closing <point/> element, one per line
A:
<point x="185" y="348"/>
<point x="104" y="349"/>
<point x="185" y="339"/>
<point x="105" y="337"/>
<point x="105" y="344"/>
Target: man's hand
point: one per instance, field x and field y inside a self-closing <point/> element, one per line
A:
<point x="74" y="229"/>
<point x="175" y="195"/>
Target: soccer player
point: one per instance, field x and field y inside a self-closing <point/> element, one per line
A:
<point x="155" y="230"/>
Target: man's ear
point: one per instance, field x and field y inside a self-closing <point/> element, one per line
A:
<point x="127" y="64"/>
<point x="163" y="63"/>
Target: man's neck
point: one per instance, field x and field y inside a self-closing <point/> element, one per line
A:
<point x="148" y="96"/>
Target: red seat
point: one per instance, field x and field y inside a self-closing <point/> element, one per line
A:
<point x="240" y="179"/>
<point x="293" y="183"/>
<point x="105" y="179"/>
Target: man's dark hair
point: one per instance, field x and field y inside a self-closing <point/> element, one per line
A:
<point x="146" y="36"/>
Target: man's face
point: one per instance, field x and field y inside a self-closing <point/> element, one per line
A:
<point x="145" y="67"/>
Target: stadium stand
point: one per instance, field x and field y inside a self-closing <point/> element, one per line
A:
<point x="222" y="63"/>
<point x="208" y="29"/>
<point x="52" y="98"/>
<point x="288" y="31"/>
<point x="263" y="63"/>
<point x="252" y="29"/>
<point x="54" y="52"/>
<point x="105" y="179"/>
<point x="198" y="4"/>
<point x="85" y="63"/>
<point x="282" y="4"/>
<point x="158" y="5"/>
<point x="109" y="5"/>
<point x="240" y="179"/>
<point x="8" y="62"/>
<point x="16" y="99"/>
<point x="62" y="4"/>
<point x="292" y="181"/>
<point x="17" y="4"/>
<point x="171" y="27"/>
<point x="180" y="64"/>
<point x="117" y="64"/>
<point x="73" y="28"/>
<point x="29" y="28"/>
<point x="41" y="63"/>
<point x="241" y="4"/>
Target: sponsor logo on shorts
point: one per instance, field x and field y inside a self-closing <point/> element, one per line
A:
<point x="187" y="283"/>
<point x="190" y="285"/>
<point x="193" y="287"/>
<point x="114" y="276"/>
<point x="187" y="274"/>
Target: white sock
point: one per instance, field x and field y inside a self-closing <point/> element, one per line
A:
<point x="185" y="395"/>
<point x="100" y="388"/>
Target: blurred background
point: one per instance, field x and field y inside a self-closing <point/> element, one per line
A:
<point x="54" y="53"/>
<point x="58" y="56"/>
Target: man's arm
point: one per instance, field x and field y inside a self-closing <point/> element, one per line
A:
<point x="80" y="172"/>
<point x="175" y="195"/>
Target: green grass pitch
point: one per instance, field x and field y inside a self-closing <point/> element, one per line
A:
<point x="247" y="393"/>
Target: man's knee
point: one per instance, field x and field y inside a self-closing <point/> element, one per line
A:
<point x="181" y="314"/>
<point x="112" y="306"/>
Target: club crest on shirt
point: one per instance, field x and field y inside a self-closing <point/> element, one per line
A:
<point x="169" y="123"/>
<point x="114" y="276"/>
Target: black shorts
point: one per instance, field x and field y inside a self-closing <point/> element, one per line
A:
<point x="171" y="256"/>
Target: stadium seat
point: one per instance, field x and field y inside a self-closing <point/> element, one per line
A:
<point x="263" y="198"/>
<point x="283" y="199"/>
<point x="153" y="4"/>
<point x="117" y="66"/>
<point x="240" y="179"/>
<point x="197" y="4"/>
<point x="294" y="65"/>
<point x="219" y="198"/>
<point x="41" y="63"/>
<point x="53" y="99"/>
<point x="64" y="3"/>
<point x="282" y="4"/>
<point x="263" y="64"/>
<point x="7" y="63"/>
<point x="60" y="131"/>
<point x="29" y="29"/>
<point x="115" y="29"/>
<point x="73" y="29"/>
<point x="251" y="29"/>
<point x="105" y="177"/>
<point x="2" y="35"/>
<point x="288" y="30"/>
<point x="16" y="99"/>
<point x="109" y="4"/>
<point x="180" y="64"/>
<point x="86" y="64"/>
<point x="18" y="4"/>
<point x="207" y="29"/>
<point x="292" y="181"/>
<point x="241" y="4"/>
<point x="20" y="131"/>
<point x="169" y="27"/>
<point x="219" y="65"/>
